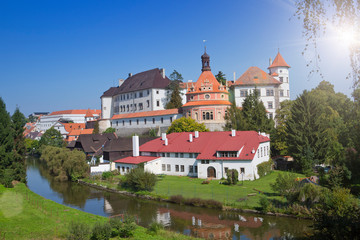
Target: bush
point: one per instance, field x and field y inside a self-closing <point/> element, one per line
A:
<point x="264" y="204"/>
<point x="106" y="175"/>
<point x="139" y="180"/>
<point x="128" y="227"/>
<point x="8" y="178"/>
<point x="232" y="176"/>
<point x="285" y="185"/>
<point x="101" y="231"/>
<point x="78" y="231"/>
<point x="154" y="228"/>
<point x="264" y="168"/>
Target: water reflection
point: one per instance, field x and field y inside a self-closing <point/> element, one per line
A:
<point x="199" y="222"/>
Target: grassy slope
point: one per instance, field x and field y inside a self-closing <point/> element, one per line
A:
<point x="26" y="215"/>
<point x="191" y="187"/>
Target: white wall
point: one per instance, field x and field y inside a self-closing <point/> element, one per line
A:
<point x="100" y="168"/>
<point x="125" y="122"/>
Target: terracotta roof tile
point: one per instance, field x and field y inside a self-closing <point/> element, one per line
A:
<point x="256" y="76"/>
<point x="205" y="76"/>
<point x="78" y="132"/>
<point x="146" y="114"/>
<point x="279" y="62"/>
<point x="208" y="143"/>
<point x="206" y="102"/>
<point x="77" y="111"/>
<point x="136" y="160"/>
<point x="72" y="126"/>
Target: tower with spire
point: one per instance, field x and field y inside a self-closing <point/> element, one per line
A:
<point x="279" y="69"/>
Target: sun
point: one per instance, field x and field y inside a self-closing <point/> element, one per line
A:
<point x="348" y="36"/>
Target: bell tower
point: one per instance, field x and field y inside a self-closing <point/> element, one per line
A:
<point x="205" y="59"/>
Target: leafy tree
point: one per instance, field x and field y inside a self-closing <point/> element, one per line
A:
<point x="232" y="176"/>
<point x="278" y="139"/>
<point x="109" y="130"/>
<point x="96" y="128"/>
<point x="139" y="180"/>
<point x="285" y="185"/>
<point x="220" y="77"/>
<point x="52" y="137"/>
<point x="306" y="138"/>
<point x="234" y="119"/>
<point x="338" y="217"/>
<point x="174" y="96"/>
<point x="186" y="125"/>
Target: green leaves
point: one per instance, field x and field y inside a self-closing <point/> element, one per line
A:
<point x="186" y="125"/>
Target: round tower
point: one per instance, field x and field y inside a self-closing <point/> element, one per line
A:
<point x="279" y="69"/>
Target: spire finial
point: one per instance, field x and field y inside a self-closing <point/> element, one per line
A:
<point x="204" y="45"/>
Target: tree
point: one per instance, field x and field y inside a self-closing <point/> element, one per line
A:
<point x="186" y="125"/>
<point x="139" y="180"/>
<point x="345" y="15"/>
<point x="234" y="119"/>
<point x="220" y="77"/>
<point x="306" y="139"/>
<point x="285" y="185"/>
<point x="174" y="94"/>
<point x="232" y="177"/>
<point x="279" y="144"/>
<point x="109" y="130"/>
<point x="96" y="128"/>
<point x="52" y="137"/>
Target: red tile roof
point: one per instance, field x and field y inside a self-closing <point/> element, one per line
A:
<point x="147" y="114"/>
<point x="77" y="111"/>
<point x="208" y="143"/>
<point x="78" y="132"/>
<point x="205" y="76"/>
<point x="72" y="126"/>
<point x="136" y="160"/>
<point x="256" y="76"/>
<point x="279" y="62"/>
<point x="206" y="102"/>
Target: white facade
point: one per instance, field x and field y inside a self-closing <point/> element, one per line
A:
<point x="144" y="122"/>
<point x="48" y="121"/>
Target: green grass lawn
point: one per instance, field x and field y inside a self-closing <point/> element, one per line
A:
<point x="240" y="195"/>
<point x="26" y="215"/>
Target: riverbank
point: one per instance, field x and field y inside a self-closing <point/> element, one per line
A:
<point x="26" y="215"/>
<point x="243" y="197"/>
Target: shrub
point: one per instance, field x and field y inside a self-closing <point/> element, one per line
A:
<point x="78" y="231"/>
<point x="264" y="204"/>
<point x="106" y="175"/>
<point x="232" y="176"/>
<point x="285" y="185"/>
<point x="264" y="168"/>
<point x="128" y="226"/>
<point x="8" y="178"/>
<point x="139" y="180"/>
<point x="154" y="228"/>
<point x="101" y="231"/>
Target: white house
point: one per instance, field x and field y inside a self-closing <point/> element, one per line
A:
<point x="202" y="155"/>
<point x="273" y="87"/>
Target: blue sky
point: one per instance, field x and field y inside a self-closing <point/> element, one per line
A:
<point x="59" y="55"/>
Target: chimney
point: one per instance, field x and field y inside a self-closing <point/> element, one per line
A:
<point x="234" y="76"/>
<point x="196" y="134"/>
<point x="162" y="71"/>
<point x="233" y="132"/>
<point x="166" y="141"/>
<point x="130" y="74"/>
<point x="163" y="136"/>
<point x="190" y="138"/>
<point x="189" y="80"/>
<point x="135" y="143"/>
<point x="121" y="81"/>
<point x="270" y="62"/>
<point x="253" y="151"/>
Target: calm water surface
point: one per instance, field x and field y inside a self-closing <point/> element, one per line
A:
<point x="205" y="223"/>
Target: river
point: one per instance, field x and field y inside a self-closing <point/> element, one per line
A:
<point x="199" y="222"/>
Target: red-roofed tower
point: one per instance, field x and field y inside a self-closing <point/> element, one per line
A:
<point x="279" y="69"/>
<point x="207" y="99"/>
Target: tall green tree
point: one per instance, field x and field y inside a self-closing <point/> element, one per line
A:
<point x="306" y="137"/>
<point x="52" y="137"/>
<point x="96" y="128"/>
<point x="220" y="77"/>
<point x="174" y="95"/>
<point x="279" y="145"/>
<point x="186" y="125"/>
<point x="234" y="119"/>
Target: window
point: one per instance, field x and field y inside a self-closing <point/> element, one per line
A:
<point x="127" y="169"/>
<point x="176" y="168"/>
<point x="196" y="169"/>
<point x="269" y="92"/>
<point x="123" y="169"/>
<point x="168" y="167"/>
<point x="226" y="170"/>
<point x="141" y="95"/>
<point x="261" y="150"/>
<point x="135" y="95"/>
<point x="137" y="121"/>
<point x="222" y="96"/>
<point x="157" y="91"/>
<point x="181" y="155"/>
<point x="145" y="121"/>
<point x="281" y="79"/>
<point x="270" y="116"/>
<point x="242" y="170"/>
<point x="205" y="161"/>
<point x="153" y="120"/>
<point x="127" y="107"/>
<point x="190" y="155"/>
<point x="163" y="167"/>
<point x="163" y="154"/>
<point x="140" y="106"/>
<point x="176" y="155"/>
<point x="148" y="92"/>
<point x="167" y="154"/>
<point x="117" y="123"/>
<point x="207" y="96"/>
<point x="147" y="103"/>
<point x="135" y="106"/>
<point x="130" y="122"/>
<point x="287" y="79"/>
<point x="208" y="115"/>
<point x="162" y="120"/>
<point x="191" y="169"/>
<point x="182" y="168"/>
<point x="157" y="103"/>
<point x="243" y="93"/>
<point x="171" y="119"/>
<point x="123" y="123"/>
<point x="281" y="93"/>
<point x="270" y="105"/>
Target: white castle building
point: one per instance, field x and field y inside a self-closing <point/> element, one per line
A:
<point x="273" y="87"/>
